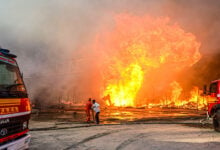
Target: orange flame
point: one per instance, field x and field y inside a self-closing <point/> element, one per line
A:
<point x="136" y="46"/>
<point x="176" y="92"/>
<point x="124" y="91"/>
<point x="195" y="101"/>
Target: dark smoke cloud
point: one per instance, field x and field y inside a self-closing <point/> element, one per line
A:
<point x="48" y="37"/>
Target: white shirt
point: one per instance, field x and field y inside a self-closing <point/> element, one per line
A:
<point x="95" y="107"/>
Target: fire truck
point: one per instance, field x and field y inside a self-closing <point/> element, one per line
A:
<point x="213" y="95"/>
<point x="14" y="105"/>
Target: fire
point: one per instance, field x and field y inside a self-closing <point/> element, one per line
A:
<point x="124" y="91"/>
<point x="195" y="100"/>
<point x="176" y="92"/>
<point x="138" y="45"/>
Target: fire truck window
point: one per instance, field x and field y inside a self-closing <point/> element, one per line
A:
<point x="7" y="74"/>
<point x="213" y="88"/>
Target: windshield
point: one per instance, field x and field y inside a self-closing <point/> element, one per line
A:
<point x="11" y="83"/>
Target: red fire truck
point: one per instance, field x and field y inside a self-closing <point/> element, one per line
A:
<point x="214" y="103"/>
<point x="14" y="105"/>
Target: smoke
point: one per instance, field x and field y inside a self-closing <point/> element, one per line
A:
<point x="51" y="40"/>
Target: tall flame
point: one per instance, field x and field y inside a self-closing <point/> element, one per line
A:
<point x="176" y="92"/>
<point x="136" y="46"/>
<point x="123" y="91"/>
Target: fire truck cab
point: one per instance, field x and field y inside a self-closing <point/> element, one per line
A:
<point x="213" y="95"/>
<point x="14" y="105"/>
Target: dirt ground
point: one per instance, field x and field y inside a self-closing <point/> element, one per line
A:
<point x="128" y="136"/>
<point x="119" y="115"/>
<point x="128" y="128"/>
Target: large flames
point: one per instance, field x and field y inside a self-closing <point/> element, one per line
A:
<point x="135" y="49"/>
<point x="195" y="100"/>
<point x="123" y="91"/>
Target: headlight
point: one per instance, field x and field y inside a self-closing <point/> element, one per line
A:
<point x="25" y="125"/>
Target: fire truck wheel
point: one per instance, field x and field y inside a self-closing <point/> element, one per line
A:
<point x="216" y="121"/>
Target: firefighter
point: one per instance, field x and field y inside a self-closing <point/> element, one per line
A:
<point x="88" y="109"/>
<point x="96" y="109"/>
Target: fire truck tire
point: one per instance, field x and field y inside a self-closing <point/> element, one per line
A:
<point x="216" y="121"/>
